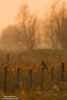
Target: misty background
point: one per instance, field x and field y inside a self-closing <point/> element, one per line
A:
<point x="32" y="31"/>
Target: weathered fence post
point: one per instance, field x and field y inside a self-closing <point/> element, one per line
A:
<point x="42" y="53"/>
<point x="46" y="56"/>
<point x="18" y="74"/>
<point x="62" y="72"/>
<point x="19" y="58"/>
<point x="30" y="78"/>
<point x="5" y="80"/>
<point x="53" y="55"/>
<point x="42" y="78"/>
<point x="7" y="58"/>
<point x="52" y="69"/>
<point x="60" y="57"/>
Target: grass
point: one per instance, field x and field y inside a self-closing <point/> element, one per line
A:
<point x="53" y="90"/>
<point x="38" y="95"/>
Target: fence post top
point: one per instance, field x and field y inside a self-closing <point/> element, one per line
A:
<point x="62" y="63"/>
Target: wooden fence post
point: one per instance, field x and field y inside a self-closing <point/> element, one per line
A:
<point x="42" y="78"/>
<point x="62" y="72"/>
<point x="18" y="74"/>
<point x="30" y="78"/>
<point x="19" y="58"/>
<point x="52" y="69"/>
<point x="42" y="53"/>
<point x="7" y="58"/>
<point x="60" y="57"/>
<point x="46" y="56"/>
<point x="53" y="55"/>
<point x="5" y="80"/>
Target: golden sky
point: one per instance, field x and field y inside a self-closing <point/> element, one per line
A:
<point x="10" y="8"/>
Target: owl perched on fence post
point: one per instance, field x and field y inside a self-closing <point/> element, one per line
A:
<point x="44" y="65"/>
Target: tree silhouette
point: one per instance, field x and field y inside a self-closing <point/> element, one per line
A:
<point x="27" y="28"/>
<point x="55" y="28"/>
<point x="8" y="38"/>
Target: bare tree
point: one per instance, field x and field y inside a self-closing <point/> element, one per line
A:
<point x="7" y="39"/>
<point x="61" y="22"/>
<point x="27" y="28"/>
<point x="49" y="28"/>
<point x="55" y="29"/>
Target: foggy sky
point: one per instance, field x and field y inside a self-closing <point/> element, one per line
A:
<point x="10" y="8"/>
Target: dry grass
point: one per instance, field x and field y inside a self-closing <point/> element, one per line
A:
<point x="52" y="89"/>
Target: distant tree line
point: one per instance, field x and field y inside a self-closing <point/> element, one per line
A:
<point x="27" y="30"/>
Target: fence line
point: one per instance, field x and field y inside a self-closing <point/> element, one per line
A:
<point x="30" y="73"/>
<point x="31" y="80"/>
